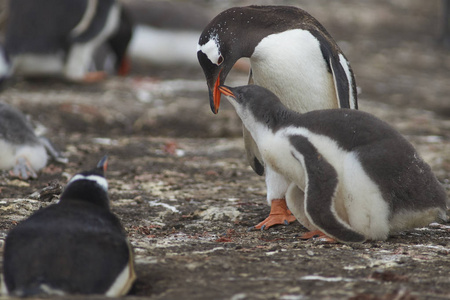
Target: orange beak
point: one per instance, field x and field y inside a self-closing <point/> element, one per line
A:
<point x="226" y="91"/>
<point x="103" y="164"/>
<point x="216" y="95"/>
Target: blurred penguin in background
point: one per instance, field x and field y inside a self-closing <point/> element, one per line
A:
<point x="22" y="152"/>
<point x="164" y="32"/>
<point x="59" y="37"/>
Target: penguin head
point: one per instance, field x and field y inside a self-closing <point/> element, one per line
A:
<point x="90" y="186"/>
<point x="257" y="104"/>
<point x="216" y="61"/>
<point x="223" y="41"/>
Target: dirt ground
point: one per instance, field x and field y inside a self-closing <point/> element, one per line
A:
<point x="186" y="196"/>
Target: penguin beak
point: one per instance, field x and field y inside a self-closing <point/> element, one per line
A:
<point x="226" y="91"/>
<point x="103" y="164"/>
<point x="214" y="95"/>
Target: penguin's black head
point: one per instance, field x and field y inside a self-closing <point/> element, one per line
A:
<point x="251" y="96"/>
<point x="90" y="186"/>
<point x="223" y="41"/>
<point x="216" y="63"/>
<point x="261" y="104"/>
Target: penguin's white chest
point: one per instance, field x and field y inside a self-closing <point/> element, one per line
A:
<point x="276" y="151"/>
<point x="291" y="65"/>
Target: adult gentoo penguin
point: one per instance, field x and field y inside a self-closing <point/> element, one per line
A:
<point x="352" y="176"/>
<point x="76" y="246"/>
<point x="292" y="55"/>
<point x="59" y="37"/>
<point x="21" y="150"/>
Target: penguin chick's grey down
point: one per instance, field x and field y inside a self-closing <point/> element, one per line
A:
<point x="361" y="179"/>
<point x="77" y="246"/>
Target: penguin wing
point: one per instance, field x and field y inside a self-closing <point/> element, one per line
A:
<point x="253" y="155"/>
<point x="251" y="149"/>
<point x="344" y="81"/>
<point x="321" y="185"/>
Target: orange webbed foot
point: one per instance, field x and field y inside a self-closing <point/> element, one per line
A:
<point x="319" y="235"/>
<point x="93" y="77"/>
<point x="279" y="214"/>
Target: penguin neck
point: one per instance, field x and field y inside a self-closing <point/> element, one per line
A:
<point x="264" y="120"/>
<point x="85" y="193"/>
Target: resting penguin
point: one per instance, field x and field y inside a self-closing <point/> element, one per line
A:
<point x="353" y="177"/>
<point x="59" y="37"/>
<point x="290" y="54"/>
<point x="76" y="246"/>
<point x="21" y="150"/>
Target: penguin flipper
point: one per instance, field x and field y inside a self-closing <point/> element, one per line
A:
<point x="321" y="184"/>
<point x="55" y="154"/>
<point x="252" y="151"/>
<point x="344" y="81"/>
<point x="253" y="156"/>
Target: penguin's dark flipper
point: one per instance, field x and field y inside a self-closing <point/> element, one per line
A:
<point x="322" y="180"/>
<point x="344" y="81"/>
<point x="23" y="169"/>
<point x="54" y="153"/>
<point x="279" y="215"/>
<point x="252" y="151"/>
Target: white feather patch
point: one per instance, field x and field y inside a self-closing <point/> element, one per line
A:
<point x="101" y="181"/>
<point x="211" y="49"/>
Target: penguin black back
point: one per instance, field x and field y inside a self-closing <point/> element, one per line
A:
<point x="76" y="246"/>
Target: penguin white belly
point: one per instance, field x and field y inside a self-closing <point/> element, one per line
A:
<point x="276" y="153"/>
<point x="38" y="64"/>
<point x="163" y="46"/>
<point x="358" y="200"/>
<point x="291" y="65"/>
<point x="36" y="155"/>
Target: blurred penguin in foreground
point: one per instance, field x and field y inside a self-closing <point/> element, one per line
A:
<point x="77" y="246"/>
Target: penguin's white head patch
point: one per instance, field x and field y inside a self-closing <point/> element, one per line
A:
<point x="212" y="50"/>
<point x="101" y="181"/>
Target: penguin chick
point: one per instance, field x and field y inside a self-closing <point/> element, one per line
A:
<point x="77" y="246"/>
<point x="20" y="149"/>
<point x="292" y="55"/>
<point x="351" y="175"/>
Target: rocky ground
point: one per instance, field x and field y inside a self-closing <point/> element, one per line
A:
<point x="186" y="196"/>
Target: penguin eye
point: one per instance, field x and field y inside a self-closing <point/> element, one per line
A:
<point x="220" y="60"/>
